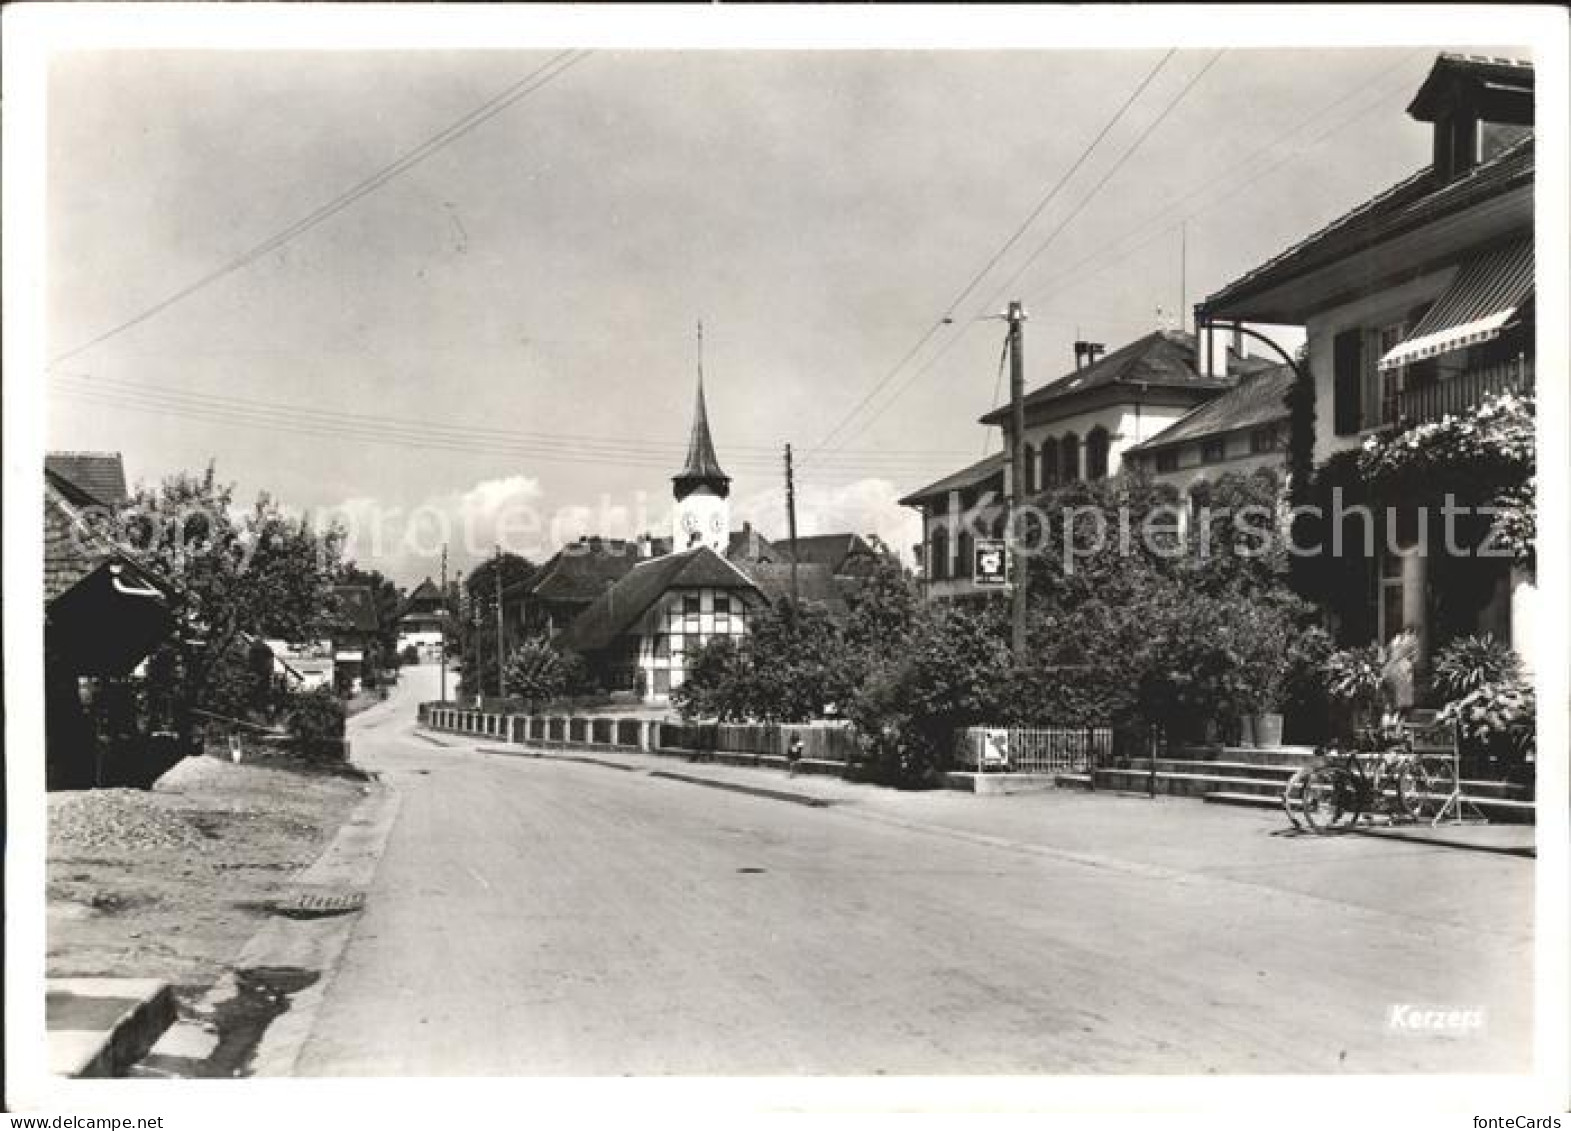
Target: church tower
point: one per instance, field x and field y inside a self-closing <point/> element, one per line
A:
<point x="702" y="514"/>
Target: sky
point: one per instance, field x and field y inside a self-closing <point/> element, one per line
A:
<point x="507" y="330"/>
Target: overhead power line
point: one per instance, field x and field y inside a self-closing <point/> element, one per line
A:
<point x="516" y="92"/>
<point x="425" y="425"/>
<point x="444" y="438"/>
<point x="992" y="261"/>
<point x="1145" y="235"/>
<point x="1085" y="200"/>
<point x="1107" y="176"/>
<point x="1078" y="273"/>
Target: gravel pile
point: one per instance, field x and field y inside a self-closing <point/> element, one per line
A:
<point x="100" y="821"/>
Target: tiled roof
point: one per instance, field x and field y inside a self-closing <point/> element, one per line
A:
<point x="1163" y="359"/>
<point x="425" y="600"/>
<point x="425" y="591"/>
<point x="832" y="550"/>
<point x="1260" y="398"/>
<point x="355" y="608"/>
<point x="1420" y="199"/>
<point x="965" y="478"/>
<point x="1509" y="75"/>
<point x="74" y="547"/>
<point x="99" y="475"/>
<point x="816" y="584"/>
<point x="618" y="609"/>
<point x="579" y="572"/>
<point x="749" y="545"/>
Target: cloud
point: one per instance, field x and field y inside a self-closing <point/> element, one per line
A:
<point x="515" y="513"/>
<point x="407" y="542"/>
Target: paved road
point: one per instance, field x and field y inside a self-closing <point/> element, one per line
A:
<point x="544" y="917"/>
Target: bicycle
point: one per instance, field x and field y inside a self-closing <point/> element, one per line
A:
<point x="1383" y="777"/>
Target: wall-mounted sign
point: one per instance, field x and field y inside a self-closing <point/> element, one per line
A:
<point x="992" y="563"/>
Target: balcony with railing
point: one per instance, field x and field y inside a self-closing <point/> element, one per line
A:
<point x="1458" y="392"/>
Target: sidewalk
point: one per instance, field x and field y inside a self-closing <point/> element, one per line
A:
<point x="1128" y="839"/>
<point x="1175" y="832"/>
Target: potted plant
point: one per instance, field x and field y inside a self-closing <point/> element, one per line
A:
<point x="1266" y="658"/>
<point x="1372" y="681"/>
<point x="1355" y="679"/>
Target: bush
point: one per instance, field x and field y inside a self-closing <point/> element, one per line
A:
<point x="1492" y="706"/>
<point x="409" y="656"/>
<point x="535" y="672"/>
<point x="1470" y="662"/>
<point x="1498" y="720"/>
<point x="315" y="720"/>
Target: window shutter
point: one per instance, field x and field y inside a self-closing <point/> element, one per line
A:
<point x="1347" y="382"/>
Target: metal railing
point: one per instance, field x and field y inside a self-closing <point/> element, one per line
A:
<point x="1459" y="392"/>
<point x="1033" y="750"/>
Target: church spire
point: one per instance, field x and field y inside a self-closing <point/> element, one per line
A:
<point x="702" y="468"/>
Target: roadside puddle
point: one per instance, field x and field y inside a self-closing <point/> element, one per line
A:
<point x="263" y="995"/>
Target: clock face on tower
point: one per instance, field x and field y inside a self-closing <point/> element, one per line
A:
<point x="690" y="522"/>
<point x="714" y="525"/>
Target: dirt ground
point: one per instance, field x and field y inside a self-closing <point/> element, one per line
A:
<point x="169" y="883"/>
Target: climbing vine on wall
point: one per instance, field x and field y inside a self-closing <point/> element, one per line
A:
<point x="1486" y="458"/>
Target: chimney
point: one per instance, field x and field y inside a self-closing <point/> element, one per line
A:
<point x="1086" y="353"/>
<point x="646" y="547"/>
<point x="1210" y="350"/>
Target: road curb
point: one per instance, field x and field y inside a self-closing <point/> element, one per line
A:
<point x="794" y="798"/>
<point x="1523" y="852"/>
<point x="347" y="866"/>
<point x="581" y="759"/>
<point x="737" y="787"/>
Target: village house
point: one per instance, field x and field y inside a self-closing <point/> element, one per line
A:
<point x="555" y="594"/>
<point x="354" y="626"/>
<point x="638" y="610"/>
<point x="105" y="611"/>
<point x="1418" y="306"/>
<point x="422" y="623"/>
<point x="1242" y="432"/>
<point x="1077" y="427"/>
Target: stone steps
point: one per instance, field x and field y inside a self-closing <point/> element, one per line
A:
<point x="1506" y="791"/>
<point x="1252" y="755"/>
<point x="1261" y="786"/>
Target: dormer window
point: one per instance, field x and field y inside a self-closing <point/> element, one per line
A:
<point x="1478" y="106"/>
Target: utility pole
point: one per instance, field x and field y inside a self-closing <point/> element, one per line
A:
<point x="446" y="613"/>
<point x="791" y="520"/>
<point x="501" y="630"/>
<point x="1017" y="405"/>
<point x="1183" y="276"/>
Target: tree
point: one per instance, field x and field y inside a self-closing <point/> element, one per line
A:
<point x="388" y="599"/>
<point x="1130" y="625"/>
<point x="259" y="574"/>
<point x="945" y="676"/>
<point x="882" y="612"/>
<point x="791" y="667"/>
<point x="477" y="625"/>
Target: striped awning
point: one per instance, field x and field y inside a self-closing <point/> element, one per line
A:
<point x="1486" y="293"/>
